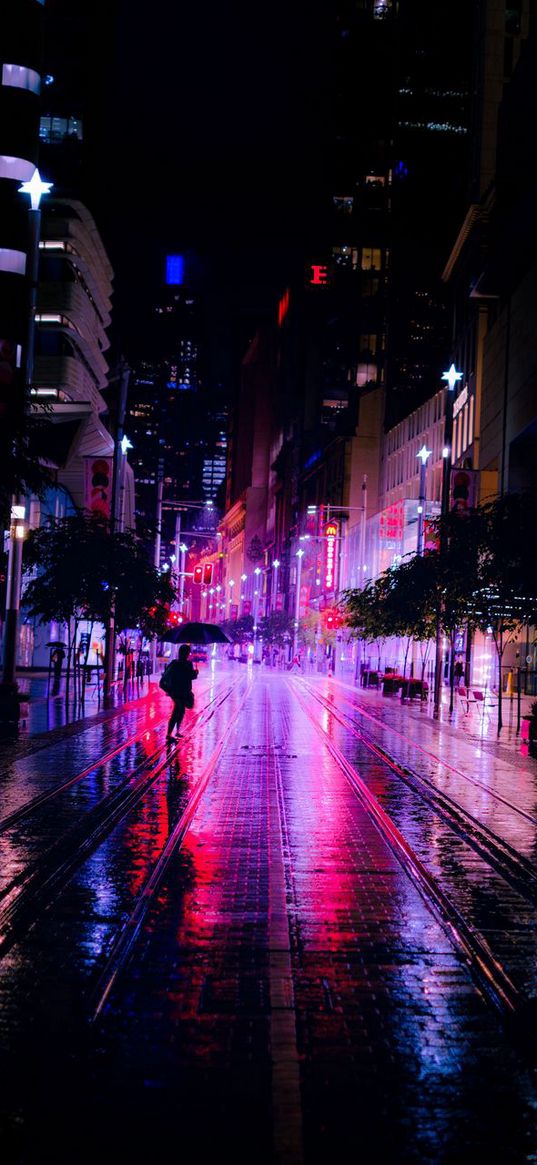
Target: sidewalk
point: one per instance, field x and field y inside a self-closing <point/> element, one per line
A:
<point x="45" y="718"/>
<point x="471" y="734"/>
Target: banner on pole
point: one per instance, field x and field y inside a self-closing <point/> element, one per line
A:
<point x="98" y="486"/>
<point x="463" y="485"/>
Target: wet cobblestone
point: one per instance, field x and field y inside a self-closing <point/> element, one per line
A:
<point x="290" y="997"/>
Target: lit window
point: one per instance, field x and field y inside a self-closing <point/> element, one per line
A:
<point x="371" y="258"/>
<point x="17" y="168"/>
<point x="20" y="77"/>
<point x="343" y="203"/>
<point x="365" y="374"/>
<point x="11" y="261"/>
<point x="343" y="256"/>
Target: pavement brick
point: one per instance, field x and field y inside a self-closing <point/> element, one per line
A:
<point x="291" y="996"/>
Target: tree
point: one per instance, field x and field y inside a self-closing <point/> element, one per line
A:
<point x="239" y="630"/>
<point x="276" y="628"/>
<point x="365" y="613"/>
<point x="79" y="568"/>
<point x="505" y="598"/>
<point x="411" y="604"/>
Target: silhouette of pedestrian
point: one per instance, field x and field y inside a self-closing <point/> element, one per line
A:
<point x="177" y="683"/>
<point x="56" y="659"/>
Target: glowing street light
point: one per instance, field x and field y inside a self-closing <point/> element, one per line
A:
<point x="452" y="377"/>
<point x="299" y="556"/>
<point x="423" y="457"/>
<point x="36" y="188"/>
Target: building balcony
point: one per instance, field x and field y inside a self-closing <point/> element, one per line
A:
<point x="69" y="378"/>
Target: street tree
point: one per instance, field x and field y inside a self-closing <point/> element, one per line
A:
<point x="505" y="599"/>
<point x="76" y="569"/>
<point x="365" y="614"/>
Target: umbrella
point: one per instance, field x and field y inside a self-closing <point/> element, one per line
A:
<point x="55" y="643"/>
<point x="196" y="633"/>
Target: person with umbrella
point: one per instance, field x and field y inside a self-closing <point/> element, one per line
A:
<point x="57" y="656"/>
<point x="176" y="682"/>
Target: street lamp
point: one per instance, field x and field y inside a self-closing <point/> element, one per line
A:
<point x="257" y="572"/>
<point x="423" y="457"/>
<point x="451" y="377"/>
<point x="36" y="188"/>
<point x="299" y="555"/>
<point x="274" y="582"/>
<point x="183" y="548"/>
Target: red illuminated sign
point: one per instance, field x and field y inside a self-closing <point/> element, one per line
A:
<point x="283" y="308"/>
<point x="319" y="274"/>
<point x="207" y="574"/>
<point x="198" y="574"/>
<point x="330" y="533"/>
<point x="392" y="522"/>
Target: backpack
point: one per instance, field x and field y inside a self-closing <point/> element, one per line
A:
<point x="165" y="681"/>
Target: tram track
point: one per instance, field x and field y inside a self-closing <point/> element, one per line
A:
<point x="34" y="887"/>
<point x="35" y="803"/>
<point x="505" y="859"/>
<point x="486" y="969"/>
<point x="451" y="769"/>
<point x="126" y="940"/>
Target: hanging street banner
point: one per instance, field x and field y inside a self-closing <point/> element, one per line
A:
<point x="463" y="487"/>
<point x="98" y="486"/>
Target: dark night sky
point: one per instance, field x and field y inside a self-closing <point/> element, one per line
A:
<point x="204" y="129"/>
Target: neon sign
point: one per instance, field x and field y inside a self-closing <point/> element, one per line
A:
<point x="175" y="268"/>
<point x="283" y="307"/>
<point x="319" y="274"/>
<point x="330" y="532"/>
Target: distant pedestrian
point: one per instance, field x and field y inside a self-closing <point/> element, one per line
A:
<point x="57" y="657"/>
<point x="140" y="673"/>
<point x="176" y="681"/>
<point x="458" y="672"/>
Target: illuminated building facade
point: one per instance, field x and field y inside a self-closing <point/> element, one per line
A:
<point x="489" y="271"/>
<point x="177" y="424"/>
<point x="20" y="87"/>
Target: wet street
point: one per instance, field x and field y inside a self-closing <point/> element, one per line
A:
<point x="305" y="931"/>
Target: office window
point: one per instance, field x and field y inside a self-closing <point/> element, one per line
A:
<point x="20" y="77"/>
<point x="366" y="373"/>
<point x="471" y="404"/>
<point x="343" y="256"/>
<point x="368" y="343"/>
<point x="370" y="288"/>
<point x="12" y="261"/>
<point x="343" y="203"/>
<point x="371" y="258"/>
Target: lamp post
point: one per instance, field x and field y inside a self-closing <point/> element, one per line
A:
<point x="452" y="378"/>
<point x="423" y="457"/>
<point x="257" y="572"/>
<point x="299" y="556"/>
<point x="274" y="582"/>
<point x="18" y="529"/>
<point x="183" y="548"/>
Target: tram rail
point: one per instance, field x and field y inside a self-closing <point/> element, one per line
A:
<point x="485" y="968"/>
<point x="35" y="885"/>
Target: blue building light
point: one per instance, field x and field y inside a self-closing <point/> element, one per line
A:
<point x="175" y="270"/>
